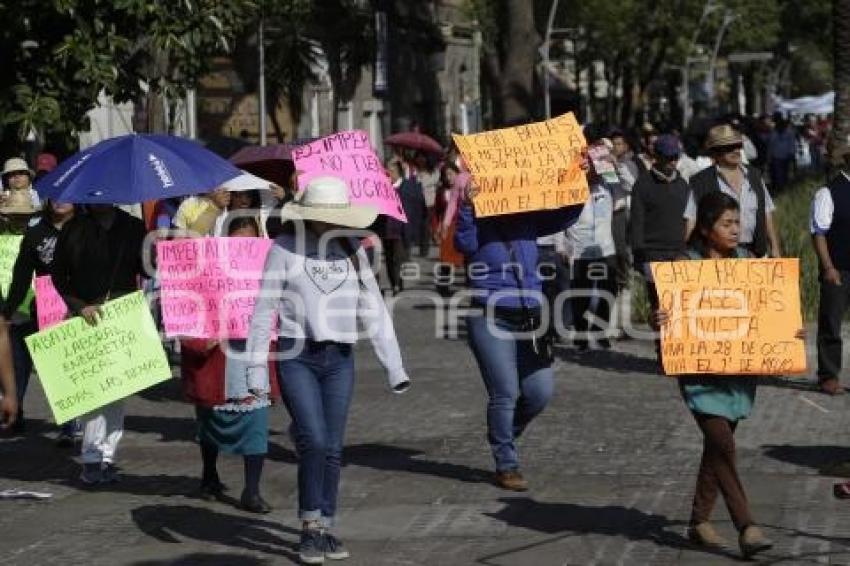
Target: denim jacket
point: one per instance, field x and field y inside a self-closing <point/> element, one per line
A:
<point x="501" y="252"/>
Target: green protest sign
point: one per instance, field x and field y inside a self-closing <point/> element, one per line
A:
<point x="10" y="246"/>
<point x="83" y="367"/>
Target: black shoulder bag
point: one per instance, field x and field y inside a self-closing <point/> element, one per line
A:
<point x="542" y="344"/>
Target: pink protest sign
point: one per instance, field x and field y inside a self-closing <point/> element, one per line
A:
<point x="50" y="306"/>
<point x="349" y="155"/>
<point x="209" y="285"/>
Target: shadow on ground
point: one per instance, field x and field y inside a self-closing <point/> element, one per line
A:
<point x="171" y="523"/>
<point x="393" y="459"/>
<point x="608" y="360"/>
<point x="399" y="459"/>
<point x="827" y="460"/>
<point x="202" y="559"/>
<point x="170" y="429"/>
<point x="168" y="390"/>
<point x="567" y="519"/>
<point x="34" y="456"/>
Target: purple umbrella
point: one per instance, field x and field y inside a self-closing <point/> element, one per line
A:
<point x="271" y="162"/>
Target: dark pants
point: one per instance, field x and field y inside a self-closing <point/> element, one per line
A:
<point x="780" y="173"/>
<point x="719" y="473"/>
<point x="425" y="233"/>
<point x="316" y="387"/>
<point x="396" y="254"/>
<point x="833" y="305"/>
<point x="600" y="277"/>
<point x="556" y="280"/>
<point x="619" y="231"/>
<point x="21" y="357"/>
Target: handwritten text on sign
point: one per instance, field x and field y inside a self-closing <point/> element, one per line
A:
<point x="49" y="305"/>
<point x="349" y="156"/>
<point x="84" y="367"/>
<point x="731" y="316"/>
<point x="531" y="167"/>
<point x="209" y="285"/>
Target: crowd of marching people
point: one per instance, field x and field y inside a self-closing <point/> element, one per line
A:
<point x="653" y="196"/>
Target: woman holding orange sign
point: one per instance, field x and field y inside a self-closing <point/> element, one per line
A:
<point x="718" y="404"/>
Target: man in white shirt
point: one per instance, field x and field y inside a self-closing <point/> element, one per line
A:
<point x="830" y="228"/>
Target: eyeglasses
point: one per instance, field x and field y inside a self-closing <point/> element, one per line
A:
<point x="730" y="148"/>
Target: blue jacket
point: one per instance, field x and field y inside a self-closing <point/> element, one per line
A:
<point x="500" y="248"/>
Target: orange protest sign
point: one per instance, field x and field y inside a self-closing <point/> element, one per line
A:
<point x="530" y="167"/>
<point x="731" y="316"/>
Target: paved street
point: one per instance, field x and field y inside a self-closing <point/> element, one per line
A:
<point x="612" y="464"/>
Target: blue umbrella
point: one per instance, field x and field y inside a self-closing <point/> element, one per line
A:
<point x="135" y="168"/>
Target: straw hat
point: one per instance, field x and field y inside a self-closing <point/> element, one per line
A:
<point x="18" y="202"/>
<point x="325" y="199"/>
<point x="723" y="135"/>
<point x="14" y="165"/>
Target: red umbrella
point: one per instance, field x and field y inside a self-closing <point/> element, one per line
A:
<point x="415" y="140"/>
<point x="271" y="162"/>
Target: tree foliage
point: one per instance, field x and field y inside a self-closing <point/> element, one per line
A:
<point x="645" y="43"/>
<point x="303" y="39"/>
<point x="60" y="54"/>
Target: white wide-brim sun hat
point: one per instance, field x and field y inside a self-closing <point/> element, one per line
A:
<point x="325" y="199"/>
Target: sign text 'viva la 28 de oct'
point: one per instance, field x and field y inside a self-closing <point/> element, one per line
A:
<point x="730" y="316"/>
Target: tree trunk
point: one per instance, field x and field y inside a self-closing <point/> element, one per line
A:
<point x="841" y="76"/>
<point x="278" y="130"/>
<point x="491" y="71"/>
<point x="517" y="76"/>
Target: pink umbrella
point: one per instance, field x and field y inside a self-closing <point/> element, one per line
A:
<point x="415" y="140"/>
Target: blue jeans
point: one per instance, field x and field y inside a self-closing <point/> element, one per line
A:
<point x="518" y="383"/>
<point x="316" y="387"/>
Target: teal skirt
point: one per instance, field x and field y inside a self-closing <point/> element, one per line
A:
<point x="723" y="396"/>
<point x="244" y="433"/>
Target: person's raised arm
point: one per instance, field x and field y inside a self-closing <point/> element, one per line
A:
<point x="21" y="276"/>
<point x="466" y="231"/>
<point x="61" y="271"/>
<point x="266" y="311"/>
<point x="548" y="222"/>
<point x="373" y="313"/>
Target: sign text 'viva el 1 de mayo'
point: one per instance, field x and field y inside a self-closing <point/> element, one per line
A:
<point x="730" y="316"/>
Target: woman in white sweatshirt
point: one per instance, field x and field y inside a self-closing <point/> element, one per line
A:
<point x="317" y="284"/>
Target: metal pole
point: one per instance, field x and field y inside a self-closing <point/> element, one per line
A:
<point x="262" y="83"/>
<point x="191" y="114"/>
<point x="707" y="9"/>
<point x="728" y="18"/>
<point x="547" y="101"/>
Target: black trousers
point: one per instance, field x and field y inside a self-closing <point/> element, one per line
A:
<point x="396" y="254"/>
<point x="833" y="305"/>
<point x="620" y="232"/>
<point x="600" y="277"/>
